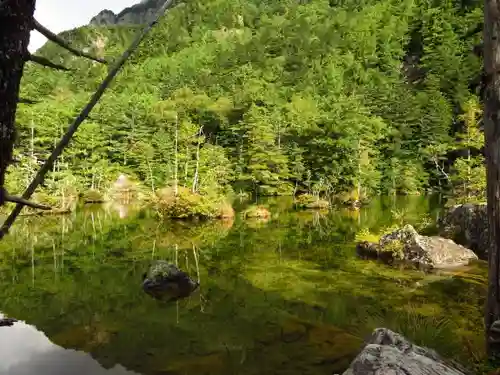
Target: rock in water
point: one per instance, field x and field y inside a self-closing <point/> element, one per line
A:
<point x="164" y="281"/>
<point x="432" y="252"/>
<point x="467" y="224"/>
<point x="389" y="353"/>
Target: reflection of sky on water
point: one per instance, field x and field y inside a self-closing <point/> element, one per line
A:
<point x="26" y="351"/>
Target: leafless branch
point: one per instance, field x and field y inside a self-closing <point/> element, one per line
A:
<point x="439" y="168"/>
<point x="15" y="199"/>
<point x="44" y="62"/>
<point x="62" y="43"/>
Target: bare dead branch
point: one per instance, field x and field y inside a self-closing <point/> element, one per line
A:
<point x="62" y="43"/>
<point x="19" y="200"/>
<point x="27" y="101"/>
<point x="44" y="62"/>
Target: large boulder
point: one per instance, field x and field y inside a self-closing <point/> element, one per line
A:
<point x="389" y="353"/>
<point x="428" y="252"/>
<point x="467" y="224"/>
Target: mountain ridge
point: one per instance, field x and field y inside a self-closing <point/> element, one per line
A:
<point x="133" y="15"/>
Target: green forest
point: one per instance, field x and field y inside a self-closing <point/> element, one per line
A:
<point x="341" y="98"/>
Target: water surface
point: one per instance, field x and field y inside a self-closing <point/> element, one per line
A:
<point x="286" y="296"/>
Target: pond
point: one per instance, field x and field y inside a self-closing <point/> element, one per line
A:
<point x="283" y="296"/>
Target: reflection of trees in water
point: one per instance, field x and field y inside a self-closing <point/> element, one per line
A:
<point x="296" y="266"/>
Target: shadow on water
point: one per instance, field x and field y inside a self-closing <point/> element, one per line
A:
<point x="286" y="296"/>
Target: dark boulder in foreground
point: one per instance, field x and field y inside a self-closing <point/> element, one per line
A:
<point x="389" y="353"/>
<point x="407" y="245"/>
<point x="467" y="224"/>
<point x="164" y="281"/>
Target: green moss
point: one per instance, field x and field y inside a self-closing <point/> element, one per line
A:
<point x="396" y="248"/>
<point x="365" y="235"/>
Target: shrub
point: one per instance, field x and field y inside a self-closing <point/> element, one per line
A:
<point x="187" y="204"/>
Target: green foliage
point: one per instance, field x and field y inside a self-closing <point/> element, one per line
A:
<point x="470" y="172"/>
<point x="182" y="203"/>
<point x="268" y="98"/>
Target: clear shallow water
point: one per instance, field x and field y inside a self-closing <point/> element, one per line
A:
<point x="286" y="296"/>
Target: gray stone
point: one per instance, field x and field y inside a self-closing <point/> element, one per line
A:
<point x="137" y="14"/>
<point x="389" y="353"/>
<point x="430" y="252"/>
<point x="467" y="224"/>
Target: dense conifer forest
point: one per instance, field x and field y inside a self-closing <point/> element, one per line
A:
<point x="351" y="98"/>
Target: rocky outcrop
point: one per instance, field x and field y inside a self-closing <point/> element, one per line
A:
<point x="134" y="15"/>
<point x="389" y="353"/>
<point x="406" y="244"/>
<point x="467" y="224"/>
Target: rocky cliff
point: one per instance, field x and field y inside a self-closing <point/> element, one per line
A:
<point x="136" y="14"/>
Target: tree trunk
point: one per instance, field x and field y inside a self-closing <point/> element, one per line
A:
<point x="492" y="151"/>
<point x="15" y="27"/>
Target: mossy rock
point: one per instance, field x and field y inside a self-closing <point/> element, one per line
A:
<point x="93" y="196"/>
<point x="373" y="251"/>
<point x="353" y="199"/>
<point x="257" y="212"/>
<point x="225" y="211"/>
<point x="309" y="201"/>
<point x="185" y="204"/>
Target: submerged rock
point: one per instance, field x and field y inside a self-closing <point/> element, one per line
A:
<point x="164" y="281"/>
<point x="406" y="244"/>
<point x="467" y="224"/>
<point x="389" y="353"/>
